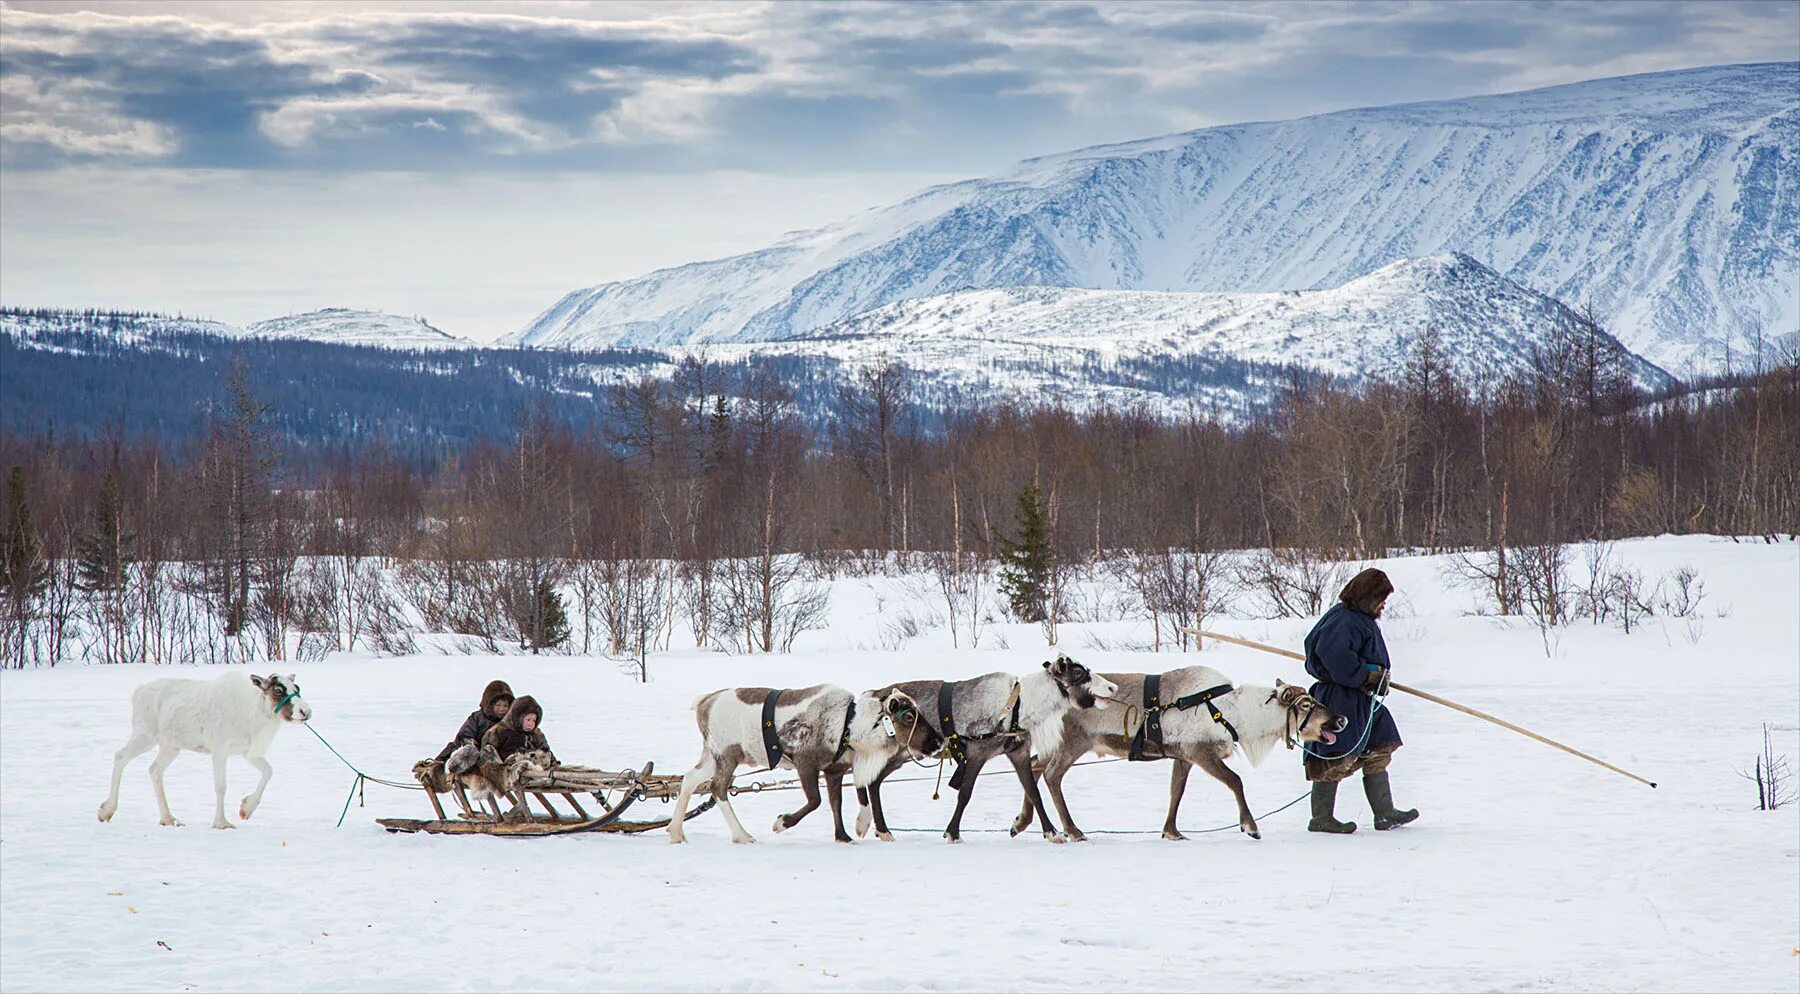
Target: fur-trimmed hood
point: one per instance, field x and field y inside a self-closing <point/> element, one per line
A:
<point x="515" y="715"/>
<point x="508" y="736"/>
<point x="1366" y="591"/>
<point x="495" y="690"/>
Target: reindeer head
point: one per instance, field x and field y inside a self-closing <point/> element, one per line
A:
<point x="1308" y="720"/>
<point x="1082" y="686"/>
<point x="283" y="693"/>
<point x="901" y="719"/>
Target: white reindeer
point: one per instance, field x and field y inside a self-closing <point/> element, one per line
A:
<point x="234" y="715"/>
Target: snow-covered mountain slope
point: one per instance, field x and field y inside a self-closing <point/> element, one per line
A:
<point x="1090" y="346"/>
<point x="350" y="327"/>
<point x="76" y="331"/>
<point x="334" y="325"/>
<point x="1669" y="201"/>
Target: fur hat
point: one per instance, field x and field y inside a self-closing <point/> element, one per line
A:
<point x="1366" y="591"/>
<point x="494" y="692"/>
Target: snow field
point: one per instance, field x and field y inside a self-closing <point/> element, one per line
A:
<point x="1528" y="869"/>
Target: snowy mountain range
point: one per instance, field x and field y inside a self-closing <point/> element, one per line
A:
<point x="334" y="325"/>
<point x="1487" y="326"/>
<point x="1670" y="202"/>
<point x="351" y="327"/>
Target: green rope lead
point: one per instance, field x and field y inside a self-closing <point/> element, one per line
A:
<point x="356" y="786"/>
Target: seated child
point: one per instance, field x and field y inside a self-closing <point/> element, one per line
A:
<point x="518" y="730"/>
<point x="495" y="701"/>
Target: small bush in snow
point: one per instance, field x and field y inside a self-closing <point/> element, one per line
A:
<point x="1772" y="775"/>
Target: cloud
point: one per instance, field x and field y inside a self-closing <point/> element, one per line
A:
<point x="783" y="86"/>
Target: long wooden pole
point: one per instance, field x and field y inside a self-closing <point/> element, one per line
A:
<point x="1435" y="699"/>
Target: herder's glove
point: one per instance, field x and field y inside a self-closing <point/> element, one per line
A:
<point x="1373" y="682"/>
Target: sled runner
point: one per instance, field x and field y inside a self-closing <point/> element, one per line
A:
<point x="614" y="791"/>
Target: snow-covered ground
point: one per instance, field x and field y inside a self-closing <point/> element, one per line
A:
<point x="1528" y="870"/>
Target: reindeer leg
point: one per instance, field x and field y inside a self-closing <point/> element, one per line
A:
<point x="219" y="759"/>
<point x="1211" y="763"/>
<point x="721" y="792"/>
<point x="834" y="795"/>
<point x="136" y="746"/>
<point x="881" y="826"/>
<point x="1021" y="760"/>
<point x="809" y="786"/>
<point x="248" y="806"/>
<point x="1053" y="776"/>
<point x="1026" y="812"/>
<point x="690" y="782"/>
<point x="164" y="757"/>
<point x="865" y="814"/>
<point x="971" y="770"/>
<point x="1178" y="778"/>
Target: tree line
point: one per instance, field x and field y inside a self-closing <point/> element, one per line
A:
<point x="714" y="499"/>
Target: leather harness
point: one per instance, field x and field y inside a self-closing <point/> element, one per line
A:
<point x="772" y="742"/>
<point x="1151" y="731"/>
<point x="953" y="741"/>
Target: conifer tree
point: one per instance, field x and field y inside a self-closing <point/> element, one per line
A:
<point x="546" y="624"/>
<point x="1026" y="562"/>
<point x="105" y="548"/>
<point x="23" y="570"/>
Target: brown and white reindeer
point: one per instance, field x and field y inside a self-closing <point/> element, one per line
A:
<point x="1202" y="717"/>
<point x="817" y="731"/>
<point x="993" y="715"/>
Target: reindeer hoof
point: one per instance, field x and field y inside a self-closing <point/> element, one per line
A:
<point x="106" y="811"/>
<point x="845" y="839"/>
<point x="1077" y="836"/>
<point x="1173" y="836"/>
<point x="744" y="841"/>
<point x="223" y="824"/>
<point x="1055" y="838"/>
<point x="1251" y="831"/>
<point x="244" y="811"/>
<point x="172" y="821"/>
<point x="955" y="840"/>
<point x="885" y="836"/>
<point x="781" y="824"/>
<point x="675" y="839"/>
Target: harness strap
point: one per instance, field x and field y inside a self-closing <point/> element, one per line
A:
<point x="771" y="744"/>
<point x="844" y="739"/>
<point x="1206" y="697"/>
<point x="1151" y="730"/>
<point x="947" y="722"/>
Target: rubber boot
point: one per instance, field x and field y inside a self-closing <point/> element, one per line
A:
<point x="1381" y="801"/>
<point x="1324" y="798"/>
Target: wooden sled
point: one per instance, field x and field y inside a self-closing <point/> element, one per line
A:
<point x="568" y="782"/>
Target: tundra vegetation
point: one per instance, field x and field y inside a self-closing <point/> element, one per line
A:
<point x="697" y="510"/>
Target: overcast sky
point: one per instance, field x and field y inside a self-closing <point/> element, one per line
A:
<point x="471" y="162"/>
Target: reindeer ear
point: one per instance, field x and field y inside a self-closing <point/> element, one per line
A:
<point x="1049" y="667"/>
<point x="894" y="704"/>
<point x="1279" y="685"/>
<point x="257" y="680"/>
